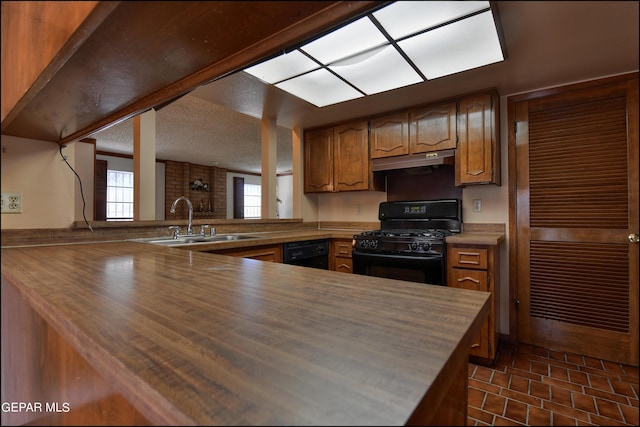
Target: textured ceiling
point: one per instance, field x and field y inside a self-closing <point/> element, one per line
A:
<point x="197" y="131"/>
<point x="547" y="44"/>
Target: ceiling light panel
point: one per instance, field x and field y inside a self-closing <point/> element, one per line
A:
<point x="283" y="67"/>
<point x="461" y="46"/>
<point x="320" y="87"/>
<point x="403" y="18"/>
<point x="357" y="37"/>
<point x="438" y="38"/>
<point x="380" y="70"/>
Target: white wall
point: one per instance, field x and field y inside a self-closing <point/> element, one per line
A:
<point x="285" y="194"/>
<point x="36" y="169"/>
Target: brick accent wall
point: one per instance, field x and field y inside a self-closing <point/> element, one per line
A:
<point x="178" y="179"/>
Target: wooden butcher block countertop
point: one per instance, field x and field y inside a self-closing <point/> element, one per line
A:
<point x="200" y="338"/>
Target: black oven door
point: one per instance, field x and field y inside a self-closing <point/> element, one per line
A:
<point x="421" y="269"/>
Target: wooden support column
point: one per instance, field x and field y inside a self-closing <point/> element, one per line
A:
<point x="144" y="166"/>
<point x="269" y="172"/>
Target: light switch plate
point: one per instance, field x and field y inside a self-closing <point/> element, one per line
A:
<point x="11" y="202"/>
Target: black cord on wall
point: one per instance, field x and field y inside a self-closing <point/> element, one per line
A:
<point x="81" y="192"/>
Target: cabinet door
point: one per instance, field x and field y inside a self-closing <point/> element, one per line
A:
<point x="433" y="128"/>
<point x="478" y="153"/>
<point x="318" y="160"/>
<point x="389" y="136"/>
<point x="475" y="280"/>
<point x="351" y="156"/>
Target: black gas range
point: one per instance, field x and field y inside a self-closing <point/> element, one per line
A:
<point x="410" y="244"/>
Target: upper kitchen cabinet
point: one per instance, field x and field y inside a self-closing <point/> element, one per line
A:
<point x="433" y="128"/>
<point x="337" y="159"/>
<point x="351" y="169"/>
<point x="70" y="69"/>
<point x="424" y="129"/>
<point x="318" y="160"/>
<point x="478" y="152"/>
<point x="389" y="135"/>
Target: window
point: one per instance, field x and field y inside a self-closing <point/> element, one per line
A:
<point x="252" y="200"/>
<point x="119" y="195"/>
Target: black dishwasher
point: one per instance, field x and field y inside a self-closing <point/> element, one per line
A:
<point x="308" y="253"/>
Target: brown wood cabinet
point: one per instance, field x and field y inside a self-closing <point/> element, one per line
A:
<point x="337" y="159"/>
<point x="420" y="130"/>
<point x="318" y="160"/>
<point x="389" y="135"/>
<point x="433" y="128"/>
<point x="476" y="267"/>
<point x="272" y="253"/>
<point x="340" y="259"/>
<point x="478" y="152"/>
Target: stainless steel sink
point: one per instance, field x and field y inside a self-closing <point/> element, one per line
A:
<point x="170" y="241"/>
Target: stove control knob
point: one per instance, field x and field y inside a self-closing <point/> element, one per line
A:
<point x="414" y="246"/>
<point x="364" y="243"/>
<point x="374" y="243"/>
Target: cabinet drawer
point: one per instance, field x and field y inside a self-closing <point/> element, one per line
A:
<point x="342" y="248"/>
<point x="475" y="258"/>
<point x="475" y="280"/>
<point x="343" y="264"/>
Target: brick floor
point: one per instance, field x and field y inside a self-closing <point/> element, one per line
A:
<point x="533" y="386"/>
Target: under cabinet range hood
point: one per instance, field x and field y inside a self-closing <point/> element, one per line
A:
<point x="413" y="160"/>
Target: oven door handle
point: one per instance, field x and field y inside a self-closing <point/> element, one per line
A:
<point x="396" y="256"/>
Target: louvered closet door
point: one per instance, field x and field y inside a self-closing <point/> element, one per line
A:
<point x="577" y="186"/>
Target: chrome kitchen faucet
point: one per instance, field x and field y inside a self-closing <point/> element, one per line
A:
<point x="190" y="206"/>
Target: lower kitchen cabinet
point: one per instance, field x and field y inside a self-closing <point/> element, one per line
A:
<point x="271" y="253"/>
<point x="340" y="259"/>
<point x="477" y="267"/>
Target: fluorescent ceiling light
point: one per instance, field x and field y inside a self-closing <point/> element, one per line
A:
<point x="320" y="87"/>
<point x="386" y="62"/>
<point x="349" y="40"/>
<point x="461" y="46"/>
<point x="419" y="40"/>
<point x="403" y="18"/>
<point x="283" y="67"/>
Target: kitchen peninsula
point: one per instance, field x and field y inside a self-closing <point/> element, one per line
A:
<point x="134" y="333"/>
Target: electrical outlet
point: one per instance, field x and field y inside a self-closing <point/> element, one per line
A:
<point x="477" y="205"/>
<point x="11" y="203"/>
<point x="359" y="209"/>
